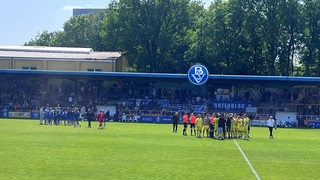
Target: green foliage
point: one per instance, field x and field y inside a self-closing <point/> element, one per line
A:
<point x="148" y="30"/>
<point x="44" y="38"/>
<point x="259" y="37"/>
<point x="151" y="151"/>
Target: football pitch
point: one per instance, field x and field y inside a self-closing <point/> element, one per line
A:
<point x="152" y="151"/>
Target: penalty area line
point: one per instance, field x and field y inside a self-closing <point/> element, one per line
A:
<point x="247" y="160"/>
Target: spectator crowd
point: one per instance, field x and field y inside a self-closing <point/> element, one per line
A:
<point x="146" y="98"/>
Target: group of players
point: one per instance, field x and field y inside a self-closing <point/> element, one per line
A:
<point x="65" y="116"/>
<point x="217" y="126"/>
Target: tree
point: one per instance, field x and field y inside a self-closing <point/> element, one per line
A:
<point x="195" y="47"/>
<point x="271" y="33"/>
<point x="45" y="38"/>
<point x="226" y="39"/>
<point x="78" y="31"/>
<point x="147" y="31"/>
<point x="311" y="41"/>
<point x="83" y="31"/>
<point x="260" y="37"/>
<point x="290" y="19"/>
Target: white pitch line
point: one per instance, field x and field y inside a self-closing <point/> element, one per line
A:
<point x="245" y="157"/>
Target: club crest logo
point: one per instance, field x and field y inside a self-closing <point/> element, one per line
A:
<point x="198" y="74"/>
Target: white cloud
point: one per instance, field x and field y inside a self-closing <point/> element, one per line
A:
<point x="70" y="7"/>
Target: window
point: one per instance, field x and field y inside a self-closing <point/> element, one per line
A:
<point x="29" y="68"/>
<point x="94" y="70"/>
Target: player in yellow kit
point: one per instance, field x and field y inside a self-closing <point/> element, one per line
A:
<point x="205" y="127"/>
<point x="216" y="121"/>
<point x="241" y="125"/>
<point x="236" y="125"/>
<point x="199" y="125"/>
<point x="245" y="127"/>
<point x="233" y="127"/>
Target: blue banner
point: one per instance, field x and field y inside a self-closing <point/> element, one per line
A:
<point x="155" y="119"/>
<point x="314" y="124"/>
<point x="35" y="115"/>
<point x="199" y="108"/>
<point x="4" y="113"/>
<point x="230" y="105"/>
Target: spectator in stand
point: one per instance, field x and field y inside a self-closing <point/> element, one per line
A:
<point x="175" y="121"/>
<point x="193" y="123"/>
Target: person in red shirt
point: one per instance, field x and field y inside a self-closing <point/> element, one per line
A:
<point x="211" y="132"/>
<point x="185" y="119"/>
<point x="100" y="119"/>
<point x="192" y="123"/>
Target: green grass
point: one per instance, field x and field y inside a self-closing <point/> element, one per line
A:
<point x="151" y="151"/>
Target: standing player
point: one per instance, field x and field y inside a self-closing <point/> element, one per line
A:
<point x="90" y="117"/>
<point x="175" y="121"/>
<point x="185" y="119"/>
<point x="249" y="124"/>
<point x="206" y="123"/>
<point x="100" y="119"/>
<point x="41" y="114"/>
<point x="46" y="115"/>
<point x="192" y="123"/>
<point x="216" y="122"/>
<point x="228" y="124"/>
<point x="51" y="116"/>
<point x="221" y="126"/>
<point x="233" y="127"/>
<point x="241" y="126"/>
<point x="199" y="125"/>
<point x="69" y="114"/>
<point x="59" y="116"/>
<point x="65" y="117"/>
<point x="76" y="117"/>
<point x="238" y="125"/>
<point x="271" y="124"/>
<point x="212" y="118"/>
<point x="245" y="127"/>
<point x="83" y="113"/>
<point x="107" y="116"/>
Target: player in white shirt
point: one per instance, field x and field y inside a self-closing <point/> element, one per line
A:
<point x="271" y="123"/>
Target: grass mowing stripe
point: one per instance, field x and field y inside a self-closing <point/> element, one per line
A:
<point x="151" y="151"/>
<point x="247" y="160"/>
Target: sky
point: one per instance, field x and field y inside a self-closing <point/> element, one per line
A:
<point x="22" y="20"/>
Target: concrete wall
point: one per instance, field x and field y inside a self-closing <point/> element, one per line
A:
<point x="63" y="65"/>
